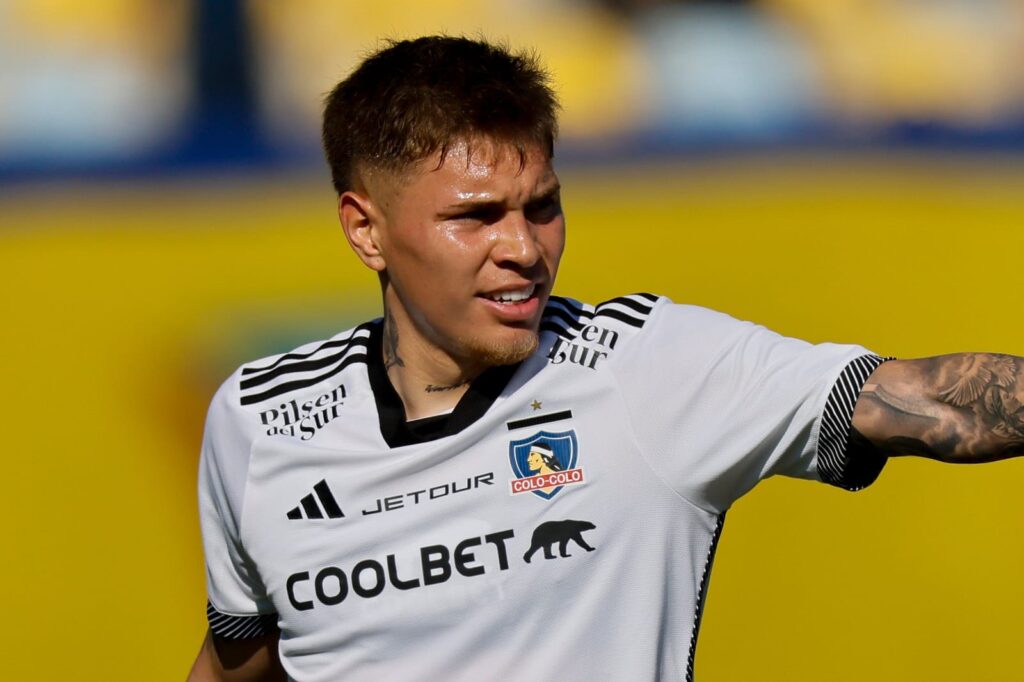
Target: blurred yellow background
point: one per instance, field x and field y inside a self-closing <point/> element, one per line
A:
<point x="128" y="302"/>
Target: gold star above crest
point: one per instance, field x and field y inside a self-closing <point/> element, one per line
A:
<point x="536" y="405"/>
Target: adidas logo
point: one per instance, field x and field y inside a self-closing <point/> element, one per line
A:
<point x="308" y="504"/>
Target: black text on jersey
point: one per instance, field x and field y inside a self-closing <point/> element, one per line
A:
<point x="304" y="420"/>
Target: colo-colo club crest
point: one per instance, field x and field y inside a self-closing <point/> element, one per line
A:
<point x="545" y="463"/>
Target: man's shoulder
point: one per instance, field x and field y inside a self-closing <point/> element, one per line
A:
<point x="585" y="335"/>
<point x="624" y="327"/>
<point x="627" y="316"/>
<point x="278" y="377"/>
<point x="567" y="315"/>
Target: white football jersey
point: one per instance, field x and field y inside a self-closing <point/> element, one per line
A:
<point x="560" y="523"/>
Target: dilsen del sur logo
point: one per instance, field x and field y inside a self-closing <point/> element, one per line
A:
<point x="545" y="463"/>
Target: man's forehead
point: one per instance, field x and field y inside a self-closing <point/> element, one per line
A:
<point x="481" y="158"/>
<point x="467" y="169"/>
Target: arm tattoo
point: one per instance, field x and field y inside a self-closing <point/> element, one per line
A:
<point x="912" y="405"/>
<point x="987" y="385"/>
<point x="966" y="408"/>
<point x="391" y="356"/>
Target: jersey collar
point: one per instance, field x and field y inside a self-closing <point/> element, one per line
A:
<point x="482" y="393"/>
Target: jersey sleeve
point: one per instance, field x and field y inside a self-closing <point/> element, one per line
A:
<point x="717" y="404"/>
<point x="237" y="605"/>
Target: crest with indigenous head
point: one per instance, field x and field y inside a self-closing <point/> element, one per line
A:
<point x="544" y="463"/>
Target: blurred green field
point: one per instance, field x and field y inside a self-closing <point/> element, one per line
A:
<point x="126" y="304"/>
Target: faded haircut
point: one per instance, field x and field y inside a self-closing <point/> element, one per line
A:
<point x="415" y="98"/>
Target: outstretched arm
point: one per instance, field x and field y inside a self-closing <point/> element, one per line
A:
<point x="967" y="407"/>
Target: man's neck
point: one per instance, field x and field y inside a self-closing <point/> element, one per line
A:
<point x="428" y="382"/>
<point x="424" y="399"/>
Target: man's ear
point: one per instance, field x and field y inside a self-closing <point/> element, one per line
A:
<point x="360" y="220"/>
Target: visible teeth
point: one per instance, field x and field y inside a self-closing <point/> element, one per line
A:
<point x="513" y="296"/>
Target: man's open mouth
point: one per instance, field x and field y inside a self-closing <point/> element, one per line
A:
<point x="513" y="296"/>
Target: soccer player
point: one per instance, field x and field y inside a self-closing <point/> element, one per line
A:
<point x="372" y="505"/>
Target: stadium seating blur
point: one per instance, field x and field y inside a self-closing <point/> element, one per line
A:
<point x="130" y="81"/>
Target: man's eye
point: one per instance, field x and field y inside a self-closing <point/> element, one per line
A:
<point x="544" y="211"/>
<point x="482" y="215"/>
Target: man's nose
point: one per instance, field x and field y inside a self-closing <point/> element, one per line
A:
<point x="515" y="241"/>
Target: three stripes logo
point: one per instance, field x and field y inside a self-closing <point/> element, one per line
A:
<point x="312" y="510"/>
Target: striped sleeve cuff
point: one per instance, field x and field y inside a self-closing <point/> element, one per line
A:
<point x="838" y="463"/>
<point x="240" y="627"/>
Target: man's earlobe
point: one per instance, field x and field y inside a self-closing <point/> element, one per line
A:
<point x="360" y="221"/>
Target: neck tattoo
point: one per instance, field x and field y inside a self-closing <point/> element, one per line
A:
<point x="391" y="356"/>
<point x="431" y="388"/>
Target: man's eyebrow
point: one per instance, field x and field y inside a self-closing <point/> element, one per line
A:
<point x="545" y="194"/>
<point x="485" y="204"/>
<point x="473" y="205"/>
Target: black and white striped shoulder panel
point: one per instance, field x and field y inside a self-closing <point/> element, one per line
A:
<point x="567" y="317"/>
<point x="295" y="371"/>
<point x="838" y="464"/>
<point x="240" y="627"/>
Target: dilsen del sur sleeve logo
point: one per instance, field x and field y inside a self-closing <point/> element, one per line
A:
<point x="545" y="463"/>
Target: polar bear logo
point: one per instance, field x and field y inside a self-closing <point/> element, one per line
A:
<point x="548" y="533"/>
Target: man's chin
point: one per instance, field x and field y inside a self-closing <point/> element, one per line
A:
<point x="506" y="351"/>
